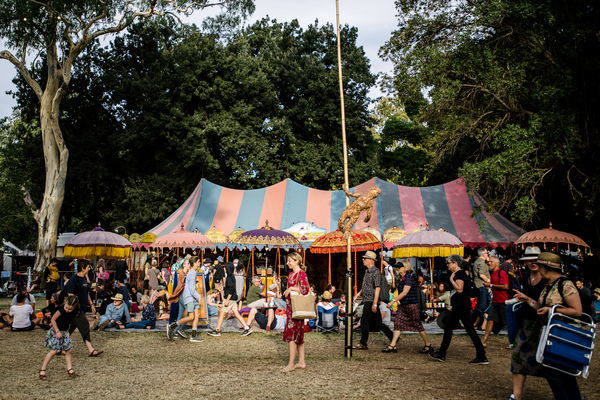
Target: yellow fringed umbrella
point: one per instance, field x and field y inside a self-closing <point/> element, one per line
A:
<point x="428" y="243"/>
<point x="98" y="244"/>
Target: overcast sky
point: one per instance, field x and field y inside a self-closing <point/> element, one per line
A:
<point x="375" y="21"/>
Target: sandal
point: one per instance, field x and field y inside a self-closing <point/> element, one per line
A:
<point x="287" y="368"/>
<point x="43" y="376"/>
<point x="297" y="366"/>
<point x="390" y="349"/>
<point x="95" y="353"/>
<point x="70" y="372"/>
<point x="360" y="346"/>
<point x="426" y="349"/>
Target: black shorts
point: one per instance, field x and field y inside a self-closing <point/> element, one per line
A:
<point x="497" y="313"/>
<point x="261" y="319"/>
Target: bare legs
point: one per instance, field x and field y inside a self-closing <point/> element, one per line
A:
<point x="52" y="353"/>
<point x="518" y="383"/>
<point x="293" y="349"/>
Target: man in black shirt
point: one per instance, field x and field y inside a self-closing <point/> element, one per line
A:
<point x="461" y="310"/>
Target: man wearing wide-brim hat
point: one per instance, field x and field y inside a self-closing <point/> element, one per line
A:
<point x="371" y="318"/>
<point x="114" y="314"/>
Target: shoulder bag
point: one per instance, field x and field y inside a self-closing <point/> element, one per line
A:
<point x="303" y="306"/>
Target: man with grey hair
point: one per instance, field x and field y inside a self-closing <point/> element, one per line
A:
<point x="460" y="311"/>
<point x="371" y="318"/>
<point x="255" y="297"/>
<point x="498" y="282"/>
<point x="481" y="274"/>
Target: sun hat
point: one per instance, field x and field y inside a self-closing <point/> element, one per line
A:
<point x="220" y="259"/>
<point x="370" y="255"/>
<point x="118" y="297"/>
<point x="207" y="260"/>
<point x="326" y="295"/>
<point x="531" y="253"/>
<point x="549" y="260"/>
<point x="597" y="290"/>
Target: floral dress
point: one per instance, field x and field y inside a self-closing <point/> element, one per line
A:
<point x="294" y="328"/>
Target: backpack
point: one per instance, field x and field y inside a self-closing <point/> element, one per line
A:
<point x="587" y="306"/>
<point x="384" y="290"/>
<point x="513" y="284"/>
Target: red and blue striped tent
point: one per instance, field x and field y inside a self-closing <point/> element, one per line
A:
<point x="451" y="206"/>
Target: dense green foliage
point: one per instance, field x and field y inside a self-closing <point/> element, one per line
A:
<point x="512" y="89"/>
<point x="165" y="105"/>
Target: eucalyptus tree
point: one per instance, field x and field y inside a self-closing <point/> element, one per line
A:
<point x="59" y="31"/>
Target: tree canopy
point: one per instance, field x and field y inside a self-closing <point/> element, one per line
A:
<point x="511" y="101"/>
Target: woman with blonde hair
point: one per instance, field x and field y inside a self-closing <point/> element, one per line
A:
<point x="294" y="329"/>
<point x="408" y="317"/>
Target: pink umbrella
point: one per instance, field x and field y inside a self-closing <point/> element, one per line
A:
<point x="183" y="238"/>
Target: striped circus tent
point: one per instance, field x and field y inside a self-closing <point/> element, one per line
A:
<point x="451" y="206"/>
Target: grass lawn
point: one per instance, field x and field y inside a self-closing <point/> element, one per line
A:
<point x="147" y="365"/>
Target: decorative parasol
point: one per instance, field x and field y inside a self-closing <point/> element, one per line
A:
<point x="306" y="231"/>
<point x="373" y="231"/>
<point x="549" y="237"/>
<point x="392" y="235"/>
<point x="428" y="243"/>
<point x="334" y="242"/>
<point x="233" y="236"/>
<point x="183" y="238"/>
<point x="267" y="237"/>
<point x="98" y="244"/>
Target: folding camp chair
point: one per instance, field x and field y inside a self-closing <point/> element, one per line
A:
<point x="567" y="344"/>
<point x="327" y="320"/>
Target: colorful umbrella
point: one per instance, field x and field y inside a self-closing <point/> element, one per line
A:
<point x="334" y="242"/>
<point x="428" y="243"/>
<point x="233" y="236"/>
<point x="305" y="231"/>
<point x="267" y="237"/>
<point x="373" y="231"/>
<point x="392" y="235"/>
<point x="98" y="244"/>
<point x="549" y="237"/>
<point x="183" y="238"/>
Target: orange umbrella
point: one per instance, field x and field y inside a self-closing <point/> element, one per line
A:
<point x="392" y="235"/>
<point x="549" y="237"/>
<point x="334" y="242"/>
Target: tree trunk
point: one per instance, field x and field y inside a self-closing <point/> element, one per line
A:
<point x="56" y="157"/>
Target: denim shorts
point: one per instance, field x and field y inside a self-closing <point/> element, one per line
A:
<point x="190" y="307"/>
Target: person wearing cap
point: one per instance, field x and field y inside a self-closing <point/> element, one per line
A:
<point x="481" y="274"/>
<point x="371" y="318"/>
<point x="114" y="313"/>
<point x="558" y="291"/>
<point x="523" y="363"/>
<point x="255" y="295"/>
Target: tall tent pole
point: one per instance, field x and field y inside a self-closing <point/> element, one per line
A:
<point x="349" y="294"/>
<point x="329" y="271"/>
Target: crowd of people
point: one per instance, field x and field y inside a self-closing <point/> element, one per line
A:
<point x="189" y="290"/>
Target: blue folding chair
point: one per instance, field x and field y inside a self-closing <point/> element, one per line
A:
<point x="567" y="344"/>
<point x="327" y="320"/>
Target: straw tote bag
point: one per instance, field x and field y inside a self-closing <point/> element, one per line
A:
<point x="303" y="306"/>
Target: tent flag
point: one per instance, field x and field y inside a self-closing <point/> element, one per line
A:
<point x="451" y="206"/>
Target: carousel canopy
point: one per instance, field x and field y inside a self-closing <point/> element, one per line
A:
<point x="451" y="206"/>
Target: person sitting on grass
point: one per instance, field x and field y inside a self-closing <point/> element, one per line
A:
<point x="148" y="320"/>
<point x="48" y="311"/>
<point x="58" y="339"/>
<point x="255" y="297"/>
<point x="115" y="311"/>
<point x="268" y="322"/>
<point x="21" y="316"/>
<point x="229" y="303"/>
<point x="29" y="298"/>
<point x="211" y="300"/>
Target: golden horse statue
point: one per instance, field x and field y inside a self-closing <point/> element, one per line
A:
<point x="363" y="202"/>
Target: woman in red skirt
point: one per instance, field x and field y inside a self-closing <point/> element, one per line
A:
<point x="294" y="329"/>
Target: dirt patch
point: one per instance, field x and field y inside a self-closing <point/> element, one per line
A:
<point x="147" y="365"/>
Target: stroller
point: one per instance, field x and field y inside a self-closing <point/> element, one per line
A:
<point x="566" y="343"/>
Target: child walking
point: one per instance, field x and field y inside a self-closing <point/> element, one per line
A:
<point x="58" y="338"/>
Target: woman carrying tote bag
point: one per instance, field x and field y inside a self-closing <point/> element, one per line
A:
<point x="294" y="328"/>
